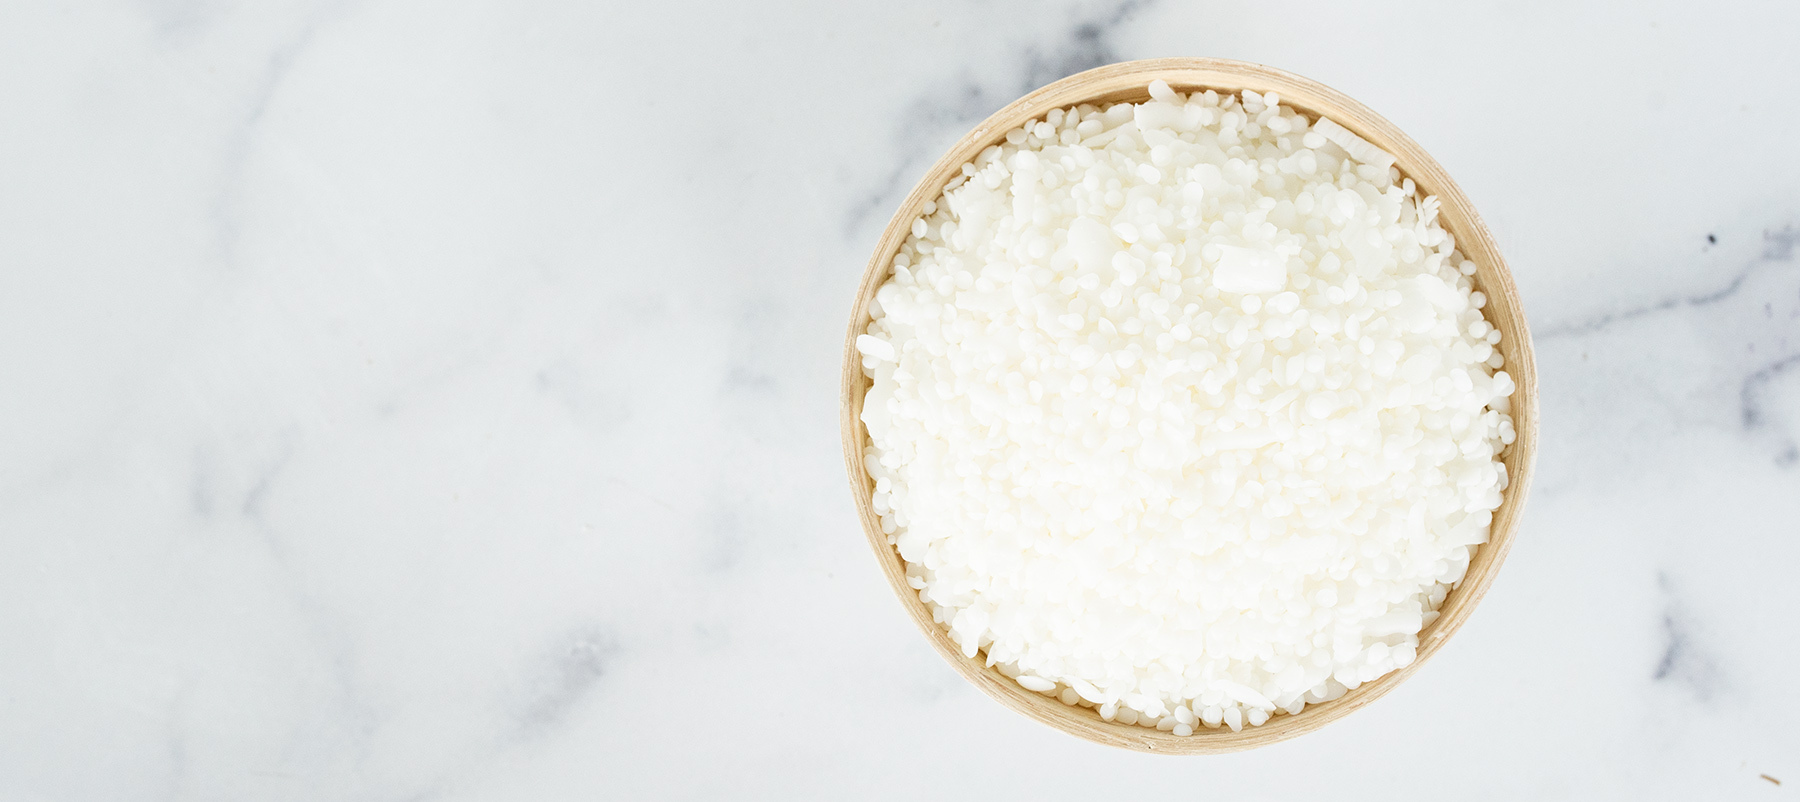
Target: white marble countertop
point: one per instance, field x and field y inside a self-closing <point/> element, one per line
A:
<point x="437" y="400"/>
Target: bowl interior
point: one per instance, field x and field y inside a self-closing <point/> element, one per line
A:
<point x="1128" y="82"/>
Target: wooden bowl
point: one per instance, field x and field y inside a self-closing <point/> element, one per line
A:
<point x="1129" y="82"/>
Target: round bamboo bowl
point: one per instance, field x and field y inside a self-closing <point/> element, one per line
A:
<point x="1129" y="82"/>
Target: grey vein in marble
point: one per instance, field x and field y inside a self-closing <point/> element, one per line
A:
<point x="570" y="676"/>
<point x="1088" y="46"/>
<point x="947" y="112"/>
<point x="241" y="143"/>
<point x="1683" y="662"/>
<point x="1778" y="247"/>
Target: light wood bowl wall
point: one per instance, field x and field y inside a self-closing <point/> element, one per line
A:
<point x="1129" y="82"/>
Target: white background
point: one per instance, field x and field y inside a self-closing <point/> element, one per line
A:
<point x="437" y="400"/>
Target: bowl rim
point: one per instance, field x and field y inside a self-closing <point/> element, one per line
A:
<point x="1129" y="81"/>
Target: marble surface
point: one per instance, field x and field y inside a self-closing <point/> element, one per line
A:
<point x="436" y="400"/>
